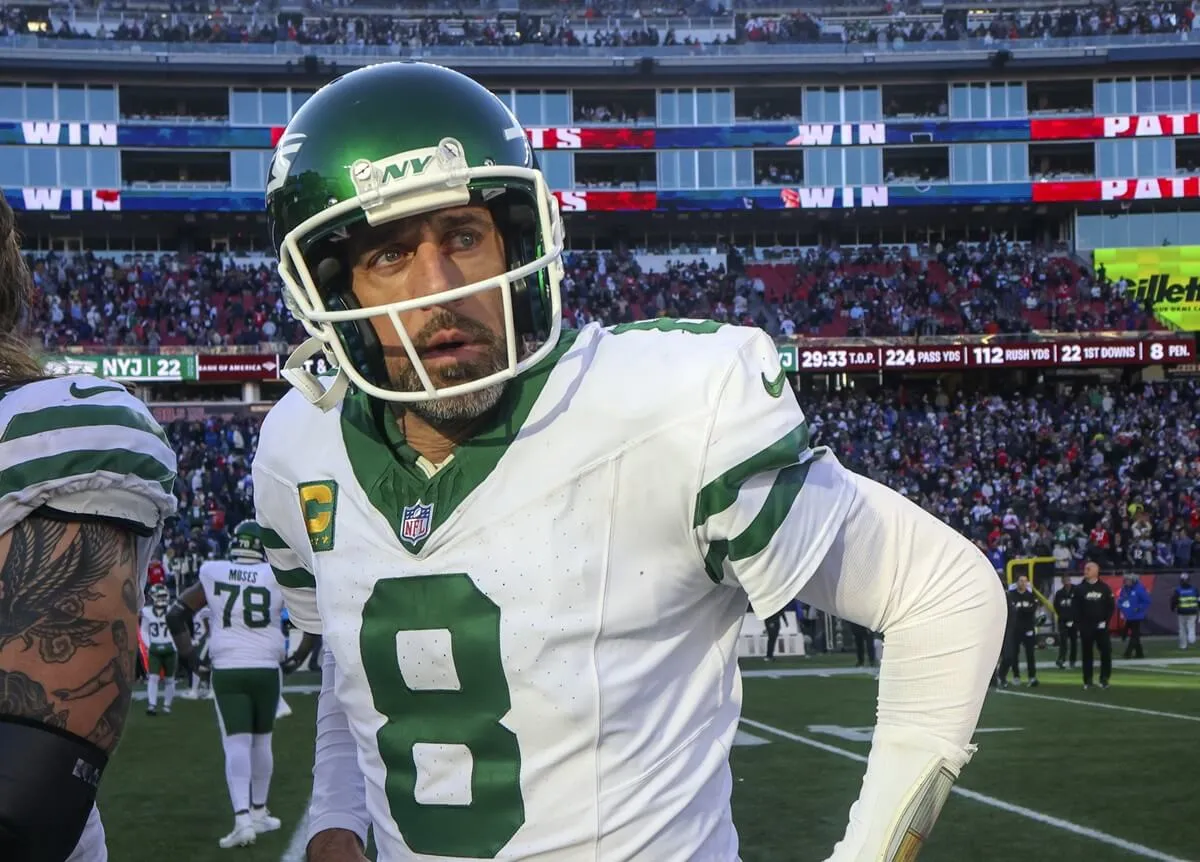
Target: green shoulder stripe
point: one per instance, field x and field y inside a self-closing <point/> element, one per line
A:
<point x="82" y="416"/>
<point x="668" y="324"/>
<point x="721" y="493"/>
<point x="294" y="579"/>
<point x="271" y="539"/>
<point x="65" y="465"/>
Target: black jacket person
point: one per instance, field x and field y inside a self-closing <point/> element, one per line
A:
<point x="1022" y="625"/>
<point x="1068" y="630"/>
<point x="1094" y="606"/>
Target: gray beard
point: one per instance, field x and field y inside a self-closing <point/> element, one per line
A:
<point x="458" y="408"/>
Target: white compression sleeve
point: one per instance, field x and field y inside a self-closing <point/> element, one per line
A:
<point x="339" y="799"/>
<point x="895" y="568"/>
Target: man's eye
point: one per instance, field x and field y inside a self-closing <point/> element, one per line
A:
<point x="464" y="240"/>
<point x="389" y="256"/>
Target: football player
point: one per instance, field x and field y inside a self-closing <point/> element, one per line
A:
<point x="160" y="650"/>
<point x="529" y="550"/>
<point x="201" y="630"/>
<point x="86" y="479"/>
<point x="246" y="650"/>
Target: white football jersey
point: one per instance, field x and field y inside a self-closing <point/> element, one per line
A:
<point x="536" y="641"/>
<point x="202" y="624"/>
<point x="246" y="605"/>
<point x="155" y="633"/>
<point x="84" y="446"/>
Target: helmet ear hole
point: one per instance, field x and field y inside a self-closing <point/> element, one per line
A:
<point x="359" y="339"/>
<point x="516" y="218"/>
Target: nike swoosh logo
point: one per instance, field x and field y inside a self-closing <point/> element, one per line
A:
<point x="775" y="387"/>
<point x="88" y="391"/>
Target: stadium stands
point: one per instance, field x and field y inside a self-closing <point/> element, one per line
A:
<point x="612" y="24"/>
<point x="147" y="302"/>
<point x="1111" y="471"/>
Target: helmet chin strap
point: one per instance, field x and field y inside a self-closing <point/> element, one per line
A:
<point x="310" y="387"/>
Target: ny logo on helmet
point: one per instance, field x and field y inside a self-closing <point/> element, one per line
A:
<point x="398" y="170"/>
<point x="288" y="146"/>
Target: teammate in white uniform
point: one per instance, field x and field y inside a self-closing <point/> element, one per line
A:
<point x="529" y="551"/>
<point x="160" y="650"/>
<point x="86" y="480"/>
<point x="246" y="648"/>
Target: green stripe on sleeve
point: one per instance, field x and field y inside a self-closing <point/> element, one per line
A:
<point x="68" y="465"/>
<point x="294" y="579"/>
<point x="780" y="499"/>
<point x="89" y="417"/>
<point x="789" y="482"/>
<point x="272" y="540"/>
<point x="721" y="493"/>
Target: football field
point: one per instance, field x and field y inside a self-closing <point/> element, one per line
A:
<point x="1061" y="773"/>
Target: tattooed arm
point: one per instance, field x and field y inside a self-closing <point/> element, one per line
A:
<point x="68" y="613"/>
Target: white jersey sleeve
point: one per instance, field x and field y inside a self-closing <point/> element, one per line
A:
<point x="84" y="446"/>
<point x="281" y="520"/>
<point x="247" y="606"/>
<point x="768" y="505"/>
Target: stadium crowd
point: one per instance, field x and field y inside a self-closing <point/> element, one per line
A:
<point x="1110" y="19"/>
<point x="1110" y="472"/>
<point x="145" y="302"/>
<point x="336" y="24"/>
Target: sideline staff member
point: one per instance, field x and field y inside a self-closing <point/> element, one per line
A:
<point x="1022" y="628"/>
<point x="1068" y="631"/>
<point x="1094" y="606"/>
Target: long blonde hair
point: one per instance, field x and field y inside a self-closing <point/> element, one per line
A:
<point x="18" y="361"/>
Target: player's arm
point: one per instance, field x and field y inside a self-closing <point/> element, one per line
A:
<point x="68" y="613"/>
<point x="780" y="518"/>
<point x="308" y="643"/>
<point x="897" y="569"/>
<point x="180" y="617"/>
<point x="338" y="819"/>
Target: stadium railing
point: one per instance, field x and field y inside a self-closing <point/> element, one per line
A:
<point x="16" y="47"/>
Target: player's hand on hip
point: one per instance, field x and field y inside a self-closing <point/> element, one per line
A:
<point x="335" y="845"/>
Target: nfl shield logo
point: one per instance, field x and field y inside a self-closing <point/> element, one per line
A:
<point x="415" y="522"/>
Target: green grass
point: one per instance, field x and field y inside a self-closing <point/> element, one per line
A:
<point x="165" y="797"/>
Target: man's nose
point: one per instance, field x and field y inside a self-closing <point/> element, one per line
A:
<point x="432" y="271"/>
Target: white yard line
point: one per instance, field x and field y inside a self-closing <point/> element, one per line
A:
<point x="298" y="844"/>
<point x="1098" y="704"/>
<point x="1154" y="668"/>
<point x="1037" y="816"/>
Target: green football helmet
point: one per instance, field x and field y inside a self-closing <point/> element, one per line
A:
<point x="159" y="596"/>
<point x="387" y="142"/>
<point x="247" y="545"/>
